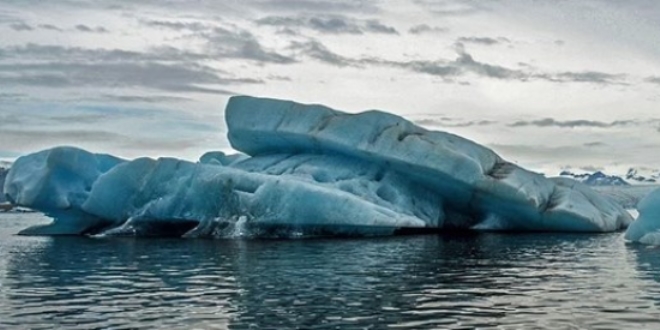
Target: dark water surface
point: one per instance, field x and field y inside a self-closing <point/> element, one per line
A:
<point x="486" y="281"/>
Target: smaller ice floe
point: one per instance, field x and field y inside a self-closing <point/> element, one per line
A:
<point x="57" y="182"/>
<point x="646" y="229"/>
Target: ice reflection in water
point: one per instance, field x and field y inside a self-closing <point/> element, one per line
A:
<point x="417" y="282"/>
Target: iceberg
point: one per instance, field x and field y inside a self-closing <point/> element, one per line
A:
<point x="646" y="229"/>
<point x="306" y="170"/>
<point x="57" y="182"/>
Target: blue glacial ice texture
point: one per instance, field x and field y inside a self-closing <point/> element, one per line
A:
<point x="646" y="229"/>
<point x="476" y="185"/>
<point x="57" y="182"/>
<point x="299" y="192"/>
<point x="309" y="167"/>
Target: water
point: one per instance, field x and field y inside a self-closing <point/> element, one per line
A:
<point x="486" y="281"/>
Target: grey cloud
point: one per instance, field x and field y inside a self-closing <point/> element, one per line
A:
<point x="425" y="28"/>
<point x="11" y="96"/>
<point x="451" y="122"/>
<point x="472" y="123"/>
<point x="10" y="120"/>
<point x="79" y="118"/>
<point x="40" y="139"/>
<point x="331" y="24"/>
<point x="483" y="40"/>
<point x="462" y="65"/>
<point x="77" y="54"/>
<point x="549" y="122"/>
<point x="577" y="155"/>
<point x="435" y="68"/>
<point x="85" y="28"/>
<point x="448" y="70"/>
<point x="8" y="17"/>
<point x="278" y="77"/>
<point x="21" y="27"/>
<point x="318" y="51"/>
<point x="653" y="80"/>
<point x="378" y="27"/>
<point x="51" y="53"/>
<point x="204" y="30"/>
<point x="288" y="31"/>
<point x="241" y="44"/>
<point x="591" y="168"/>
<point x="542" y="151"/>
<point x="429" y="122"/>
<point x="281" y="21"/>
<point x="165" y="69"/>
<point x="320" y="6"/>
<point x="24" y="135"/>
<point x="466" y="62"/>
<point x="589" y="77"/>
<point x="142" y="98"/>
<point x="197" y="89"/>
<point x="452" y="7"/>
<point x="176" y="25"/>
<point x="50" y="27"/>
<point x="595" y="144"/>
<point x="169" y="77"/>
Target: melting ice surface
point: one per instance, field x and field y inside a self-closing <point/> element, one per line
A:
<point x="306" y="170"/>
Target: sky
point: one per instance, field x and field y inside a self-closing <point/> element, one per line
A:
<point x="546" y="84"/>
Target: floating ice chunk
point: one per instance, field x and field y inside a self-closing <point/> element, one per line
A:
<point x="57" y="182"/>
<point x="646" y="229"/>
<point x="310" y="169"/>
<point x="590" y="207"/>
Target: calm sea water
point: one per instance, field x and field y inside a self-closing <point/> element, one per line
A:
<point x="485" y="281"/>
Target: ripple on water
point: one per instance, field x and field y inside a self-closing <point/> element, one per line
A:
<point x="487" y="281"/>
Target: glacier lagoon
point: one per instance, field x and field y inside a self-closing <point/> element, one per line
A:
<point x="459" y="281"/>
<point x="306" y="170"/>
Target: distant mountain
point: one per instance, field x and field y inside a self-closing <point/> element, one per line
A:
<point x="643" y="175"/>
<point x="597" y="178"/>
<point x="634" y="176"/>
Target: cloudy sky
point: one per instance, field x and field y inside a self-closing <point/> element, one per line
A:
<point x="547" y="84"/>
